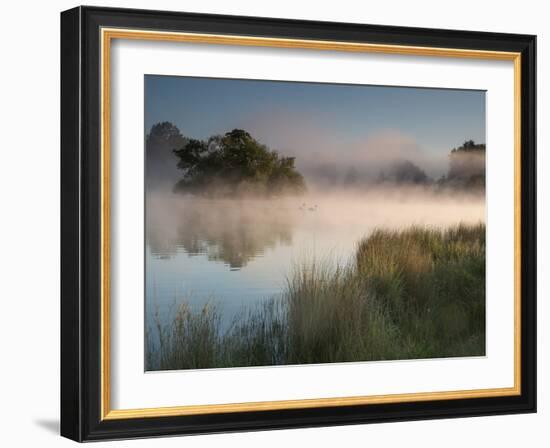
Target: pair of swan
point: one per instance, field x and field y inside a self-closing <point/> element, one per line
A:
<point x="311" y="208"/>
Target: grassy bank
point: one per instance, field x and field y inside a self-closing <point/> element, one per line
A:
<point x="414" y="293"/>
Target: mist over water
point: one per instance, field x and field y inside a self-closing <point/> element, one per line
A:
<point x="236" y="252"/>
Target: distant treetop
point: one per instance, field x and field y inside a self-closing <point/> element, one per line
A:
<point x="467" y="166"/>
<point x="469" y="146"/>
<point x="166" y="132"/>
<point x="160" y="160"/>
<point x="403" y="172"/>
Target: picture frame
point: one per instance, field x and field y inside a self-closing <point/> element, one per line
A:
<point x="87" y="34"/>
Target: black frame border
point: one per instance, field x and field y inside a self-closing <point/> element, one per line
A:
<point x="81" y="223"/>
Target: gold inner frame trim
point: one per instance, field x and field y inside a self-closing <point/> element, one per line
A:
<point x="107" y="35"/>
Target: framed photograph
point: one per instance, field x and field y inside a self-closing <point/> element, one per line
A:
<point x="275" y="224"/>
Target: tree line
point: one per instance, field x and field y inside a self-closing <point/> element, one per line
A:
<point x="235" y="164"/>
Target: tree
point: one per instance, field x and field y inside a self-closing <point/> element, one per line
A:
<point x="467" y="162"/>
<point x="404" y="172"/>
<point x="235" y="164"/>
<point x="160" y="160"/>
<point x="352" y="177"/>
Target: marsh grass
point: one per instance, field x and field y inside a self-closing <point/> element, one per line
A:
<point x="408" y="294"/>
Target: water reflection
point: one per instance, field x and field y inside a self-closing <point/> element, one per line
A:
<point x="228" y="231"/>
<point x="238" y="253"/>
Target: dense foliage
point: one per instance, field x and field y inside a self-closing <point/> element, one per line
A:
<point x="235" y="164"/>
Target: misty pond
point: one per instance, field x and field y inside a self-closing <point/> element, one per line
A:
<point x="240" y="252"/>
<point x="300" y="223"/>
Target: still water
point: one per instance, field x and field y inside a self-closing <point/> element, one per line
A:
<point x="236" y="253"/>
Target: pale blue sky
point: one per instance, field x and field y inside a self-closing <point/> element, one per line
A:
<point x="296" y="116"/>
